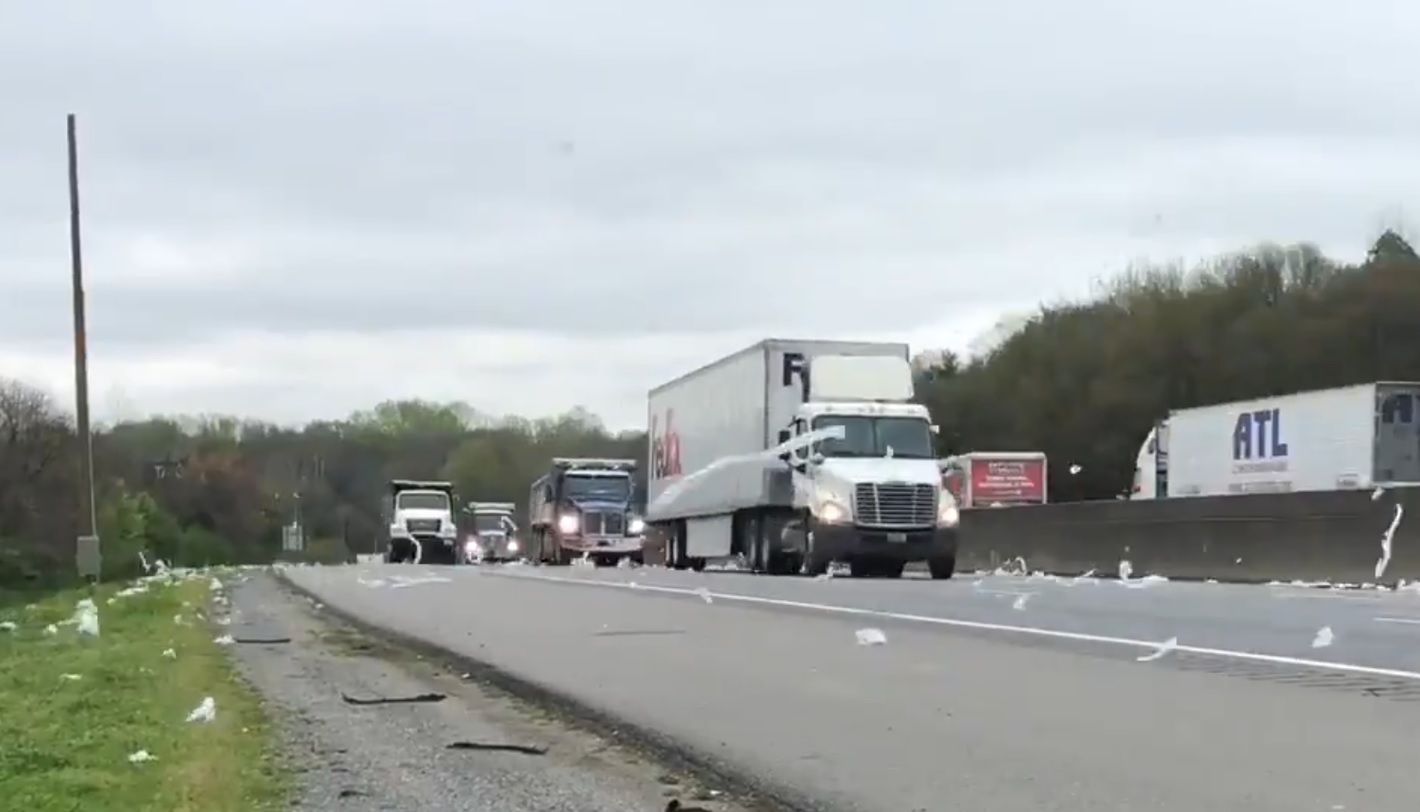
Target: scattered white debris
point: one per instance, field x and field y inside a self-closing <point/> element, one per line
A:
<point x="826" y="575"/>
<point x="1020" y="603"/>
<point x="180" y="620"/>
<point x="704" y="594"/>
<point x="224" y="621"/>
<point x="205" y="712"/>
<point x="1075" y="468"/>
<point x="30" y="607"/>
<point x="871" y="637"/>
<point x="71" y="677"/>
<point x="8" y="625"/>
<point x="129" y="592"/>
<point x="171" y="654"/>
<point x="87" y="615"/>
<point x="624" y="563"/>
<point x="317" y="605"/>
<point x="215" y="585"/>
<point x="224" y="640"/>
<point x="1125" y="569"/>
<point x="466" y="675"/>
<point x="1377" y="493"/>
<point x="1154" y="579"/>
<point x="401" y="582"/>
<point x="1015" y="566"/>
<point x="1210" y="580"/>
<point x="632" y="584"/>
<point x="140" y="757"/>
<point x="1237" y="560"/>
<point x="1324" y="637"/>
<point x="1164" y="648"/>
<point x="51" y="629"/>
<point x="1386" y="541"/>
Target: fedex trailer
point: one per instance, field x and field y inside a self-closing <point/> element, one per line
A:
<point x="791" y="455"/>
<point x="1350" y="437"/>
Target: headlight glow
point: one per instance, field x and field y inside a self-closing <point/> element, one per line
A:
<point x="512" y="545"/>
<point x="637" y="526"/>
<point x="470" y="546"/>
<point x="832" y="512"/>
<point x="947" y="513"/>
<point x="568" y="523"/>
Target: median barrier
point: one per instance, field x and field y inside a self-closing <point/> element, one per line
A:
<point x="1332" y="536"/>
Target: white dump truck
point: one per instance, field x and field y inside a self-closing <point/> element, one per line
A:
<point x="1350" y="437"/>
<point x="421" y="523"/>
<point x="791" y="455"/>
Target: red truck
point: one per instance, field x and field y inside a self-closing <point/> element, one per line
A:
<point x="995" y="478"/>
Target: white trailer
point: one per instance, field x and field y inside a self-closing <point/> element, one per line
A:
<point x="1351" y="437"/>
<point x="739" y="465"/>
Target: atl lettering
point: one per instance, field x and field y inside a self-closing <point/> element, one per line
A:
<point x="1258" y="435"/>
<point x="665" y="448"/>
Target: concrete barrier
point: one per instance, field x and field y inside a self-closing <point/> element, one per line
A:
<point x="1327" y="536"/>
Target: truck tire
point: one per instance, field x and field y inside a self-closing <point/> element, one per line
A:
<point x="941" y="568"/>
<point x="814" y="564"/>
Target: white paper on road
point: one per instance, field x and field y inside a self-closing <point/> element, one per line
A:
<point x="871" y="637"/>
<point x="205" y="712"/>
<point x="704" y="595"/>
<point x="402" y="581"/>
<point x="1387" y="540"/>
<point x="1020" y="603"/>
<point x="1324" y="637"/>
<point x="1164" y="648"/>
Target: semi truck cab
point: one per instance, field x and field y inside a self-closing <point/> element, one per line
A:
<point x="872" y="496"/>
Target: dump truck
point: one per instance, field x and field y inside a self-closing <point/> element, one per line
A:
<point x="792" y="455"/>
<point x="582" y="507"/>
<point x="492" y="533"/>
<point x="420" y="522"/>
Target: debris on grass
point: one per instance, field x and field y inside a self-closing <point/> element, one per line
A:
<point x="224" y="640"/>
<point x="205" y="712"/>
<point x="171" y="654"/>
<point x="71" y="677"/>
<point x="8" y="625"/>
<point x="140" y="757"/>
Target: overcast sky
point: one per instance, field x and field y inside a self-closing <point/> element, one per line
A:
<point x="294" y="210"/>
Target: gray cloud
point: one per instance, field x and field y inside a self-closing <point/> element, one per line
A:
<point x="623" y="169"/>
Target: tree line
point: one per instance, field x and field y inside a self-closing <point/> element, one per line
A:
<point x="1082" y="381"/>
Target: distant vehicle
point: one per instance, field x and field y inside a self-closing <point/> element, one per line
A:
<point x="421" y="523"/>
<point x="1346" y="438"/>
<point x="583" y="507"/>
<point x="795" y="454"/>
<point x="996" y="478"/>
<point x="492" y="533"/>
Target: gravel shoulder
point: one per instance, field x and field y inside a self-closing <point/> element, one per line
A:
<point x="508" y="754"/>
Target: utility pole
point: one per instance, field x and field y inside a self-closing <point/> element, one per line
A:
<point x="86" y="553"/>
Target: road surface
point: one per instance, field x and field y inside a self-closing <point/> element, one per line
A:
<point x="995" y="692"/>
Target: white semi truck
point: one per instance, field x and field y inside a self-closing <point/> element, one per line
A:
<point x="792" y="455"/>
<point x="1350" y="437"/>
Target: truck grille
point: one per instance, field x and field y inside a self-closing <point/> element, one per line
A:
<point x="598" y="523"/>
<point x="422" y="525"/>
<point x="895" y="505"/>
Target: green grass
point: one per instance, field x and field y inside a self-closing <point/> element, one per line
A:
<point x="64" y="745"/>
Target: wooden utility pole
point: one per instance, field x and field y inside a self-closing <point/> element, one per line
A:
<point x="87" y="556"/>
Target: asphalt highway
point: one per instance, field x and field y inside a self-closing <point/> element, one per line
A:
<point x="989" y="692"/>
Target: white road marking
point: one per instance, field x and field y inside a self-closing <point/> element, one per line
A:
<point x="1251" y="656"/>
<point x="1414" y="620"/>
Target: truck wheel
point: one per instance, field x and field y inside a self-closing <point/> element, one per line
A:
<point x="697" y="564"/>
<point x="814" y="563"/>
<point x="942" y="568"/>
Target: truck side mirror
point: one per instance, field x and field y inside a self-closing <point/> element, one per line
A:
<point x="784" y="436"/>
<point x="936" y="429"/>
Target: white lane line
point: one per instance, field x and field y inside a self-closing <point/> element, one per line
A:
<point x="1414" y="620"/>
<point x="1251" y="656"/>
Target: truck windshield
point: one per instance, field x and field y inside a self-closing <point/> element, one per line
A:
<point x="908" y="437"/>
<point x="485" y="522"/>
<point x="610" y="488"/>
<point x="423" y="500"/>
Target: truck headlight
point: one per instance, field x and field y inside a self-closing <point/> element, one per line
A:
<point x="947" y="513"/>
<point x="636" y="526"/>
<point x="568" y="523"/>
<point x="470" y="547"/>
<point x="512" y="545"/>
<point x="831" y="512"/>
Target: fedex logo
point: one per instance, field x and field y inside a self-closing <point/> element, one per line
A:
<point x="1258" y="435"/>
<point x="665" y="448"/>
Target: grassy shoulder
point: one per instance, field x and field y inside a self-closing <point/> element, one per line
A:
<point x="65" y="742"/>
